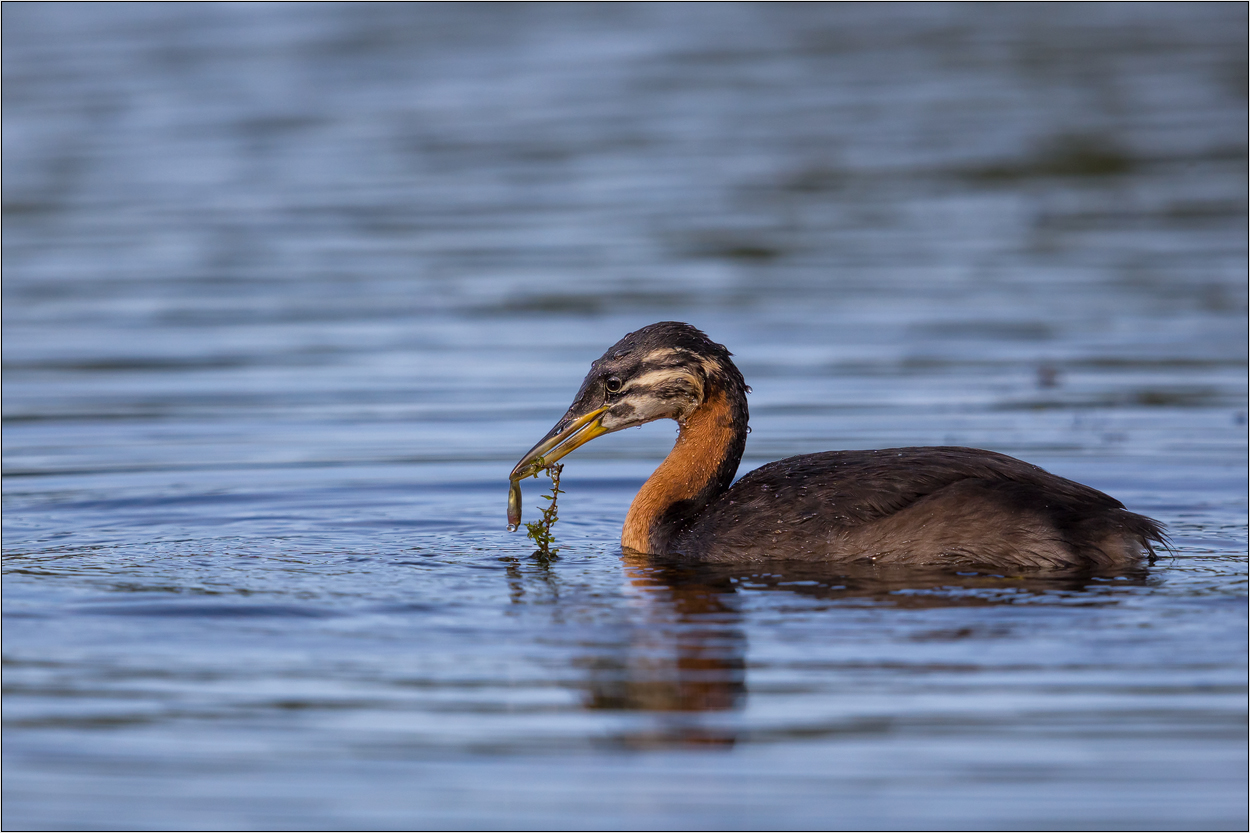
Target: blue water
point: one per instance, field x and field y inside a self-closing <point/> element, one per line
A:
<point x="287" y="290"/>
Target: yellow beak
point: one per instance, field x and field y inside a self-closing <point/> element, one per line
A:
<point x="557" y="444"/>
<point x="550" y="449"/>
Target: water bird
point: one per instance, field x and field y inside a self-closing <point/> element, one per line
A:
<point x="894" y="506"/>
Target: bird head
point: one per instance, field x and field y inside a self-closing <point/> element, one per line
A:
<point x="663" y="371"/>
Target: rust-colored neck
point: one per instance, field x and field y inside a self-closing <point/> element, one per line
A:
<point x="701" y="465"/>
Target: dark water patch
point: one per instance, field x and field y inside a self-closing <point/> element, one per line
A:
<point x="1063" y="156"/>
<point x="1156" y="363"/>
<point x="990" y="330"/>
<point x="318" y="357"/>
<point x="1205" y="211"/>
<point x="1157" y="398"/>
<point x="207" y="611"/>
<point x="599" y="303"/>
<point x="86" y="722"/>
<point x="734" y="248"/>
<point x="819" y="179"/>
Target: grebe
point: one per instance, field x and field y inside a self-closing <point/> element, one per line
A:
<point x="935" y="506"/>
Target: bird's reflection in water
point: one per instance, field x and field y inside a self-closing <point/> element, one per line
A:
<point x="685" y="656"/>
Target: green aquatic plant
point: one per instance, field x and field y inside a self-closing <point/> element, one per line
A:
<point x="540" y="531"/>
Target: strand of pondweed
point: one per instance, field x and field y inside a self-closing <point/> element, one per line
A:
<point x="540" y="530"/>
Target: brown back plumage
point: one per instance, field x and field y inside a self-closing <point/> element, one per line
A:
<point x="917" y="505"/>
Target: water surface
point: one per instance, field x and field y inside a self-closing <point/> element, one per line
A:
<point x="288" y="290"/>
